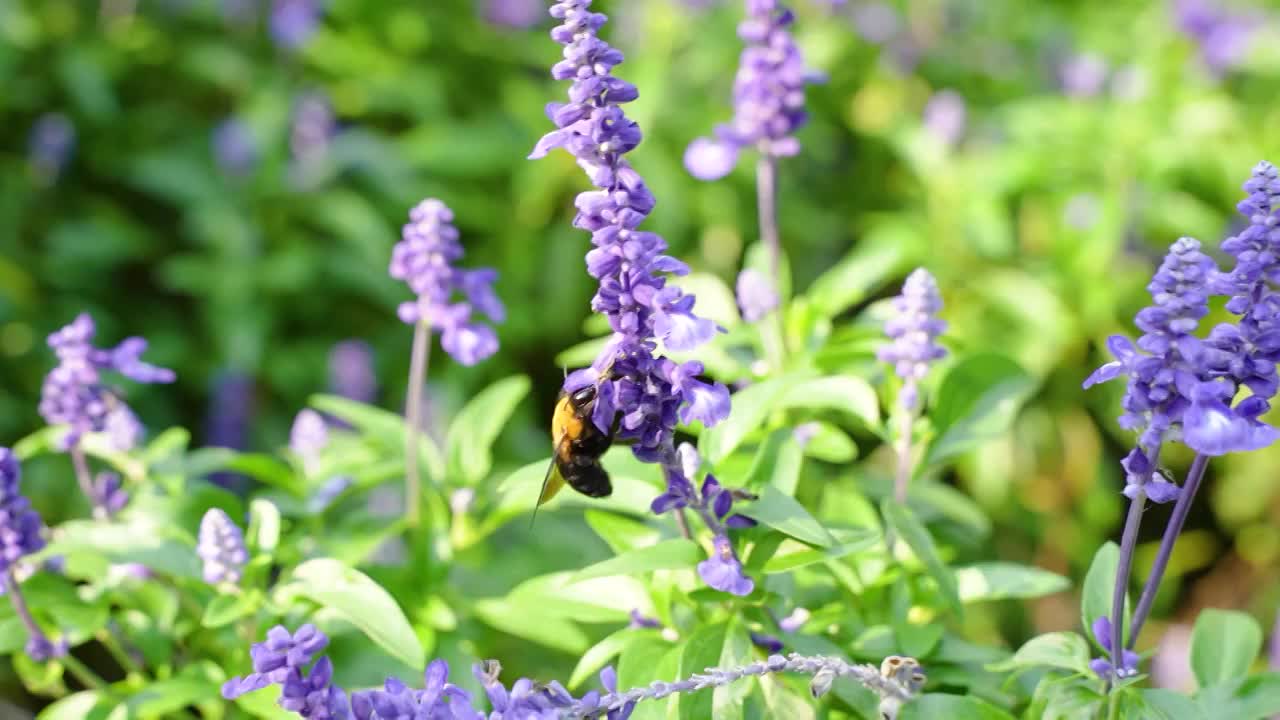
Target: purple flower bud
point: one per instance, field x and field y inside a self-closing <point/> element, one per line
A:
<point x="293" y="22"/>
<point x="221" y="547"/>
<point x="756" y="296"/>
<point x="768" y="95"/>
<point x="308" y="437"/>
<point x="1083" y="75"/>
<point x="109" y="496"/>
<point x="914" y="330"/>
<point x="424" y="259"/>
<point x="1129" y="659"/>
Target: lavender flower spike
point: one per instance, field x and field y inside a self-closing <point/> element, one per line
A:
<point x="74" y="394"/>
<point x="20" y="529"/>
<point x="649" y="391"/>
<point x="424" y="259"/>
<point x="768" y="95"/>
<point x="221" y="547"/>
<point x="281" y="661"/>
<point x="913" y="332"/>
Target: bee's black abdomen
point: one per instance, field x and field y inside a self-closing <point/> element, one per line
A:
<point x="587" y="476"/>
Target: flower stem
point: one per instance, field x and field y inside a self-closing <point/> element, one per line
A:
<point x="413" y="420"/>
<point x="903" y="475"/>
<point x="1128" y="542"/>
<point x="83" y="477"/>
<point x="14" y="591"/>
<point x="87" y="677"/>
<point x="116" y="648"/>
<point x="1171" y="532"/>
<point x="773" y="331"/>
<point x="683" y="522"/>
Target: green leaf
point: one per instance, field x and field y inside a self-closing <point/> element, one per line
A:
<point x="226" y="609"/>
<point x="1001" y="581"/>
<point x="784" y="514"/>
<point x="906" y="526"/>
<point x="727" y="700"/>
<point x="86" y="705"/>
<point x="602" y="652"/>
<point x="264" y="468"/>
<point x="387" y="427"/>
<point x="362" y="602"/>
<point x="952" y="707"/>
<point x="531" y="619"/>
<point x="264" y="525"/>
<point x="1099" y="582"/>
<point x="668" y="554"/>
<point x="792" y="555"/>
<point x="842" y="393"/>
<point x="868" y="266"/>
<point x="476" y="427"/>
<point x="1224" y="643"/>
<point x="620" y="533"/>
<point x="978" y="400"/>
<point x="651" y="658"/>
<point x="139" y="540"/>
<point x="1062" y="650"/>
<point x="701" y="651"/>
<point x="262" y="704"/>
<point x="751" y="407"/>
<point x="1248" y="698"/>
<point x="829" y="443"/>
<point x="196" y="684"/>
<point x="1173" y="705"/>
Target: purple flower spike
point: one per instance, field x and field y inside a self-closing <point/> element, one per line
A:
<point x="913" y="332"/>
<point x="424" y="259"/>
<point x="648" y="391"/>
<point x="281" y="661"/>
<point x="945" y="116"/>
<point x="768" y="95"/>
<point x="221" y="547"/>
<point x="293" y="22"/>
<point x="20" y="526"/>
<point x="109" y="496"/>
<point x="74" y="394"/>
<point x="723" y="571"/>
<point x="351" y="371"/>
<point x="756" y="296"/>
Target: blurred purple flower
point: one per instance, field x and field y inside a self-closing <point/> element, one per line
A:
<point x="944" y="116"/>
<point x="221" y="547"/>
<point x="768" y="95"/>
<point x="351" y="372"/>
<point x="424" y="259"/>
<point x="515" y="14"/>
<point x="768" y="643"/>
<point x="20" y="526"/>
<point x="234" y="147"/>
<point x="641" y="621"/>
<point x="1224" y="37"/>
<point x="648" y="392"/>
<point x="1082" y="75"/>
<point x="109" y="496"/>
<point x="310" y="136"/>
<point x="51" y="143"/>
<point x="281" y="660"/>
<point x="293" y="22"/>
<point x="756" y="296"/>
<point x="795" y="620"/>
<point x="308" y="437"/>
<point x="73" y="393"/>
<point x="876" y="22"/>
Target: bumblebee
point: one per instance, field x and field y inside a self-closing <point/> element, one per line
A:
<point x="578" y="445"/>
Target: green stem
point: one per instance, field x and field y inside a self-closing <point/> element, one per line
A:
<point x="88" y="678"/>
<point x="116" y="648"/>
<point x="413" y="420"/>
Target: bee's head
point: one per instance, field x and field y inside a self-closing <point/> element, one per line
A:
<point x="583" y="397"/>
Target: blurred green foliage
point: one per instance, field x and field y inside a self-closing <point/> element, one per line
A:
<point x="1042" y="225"/>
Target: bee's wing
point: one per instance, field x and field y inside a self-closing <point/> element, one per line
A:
<point x="553" y="480"/>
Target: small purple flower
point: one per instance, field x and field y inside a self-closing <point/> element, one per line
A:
<point x="438" y="699"/>
<point x="234" y="147"/>
<point x="324" y="496"/>
<point x="51" y="143"/>
<point x="424" y="259"/>
<point x="1224" y="38"/>
<point x="913" y="331"/>
<point x="1102" y="666"/>
<point x="20" y="525"/>
<point x="768" y="95"/>
<point x="41" y="649"/>
<point x="723" y="571"/>
<point x="351" y="372"/>
<point x="221" y="547"/>
<point x="944" y="116"/>
<point x="647" y="391"/>
<point x="281" y="661"/>
<point x="109" y="495"/>
<point x="641" y="621"/>
<point x="756" y="296"/>
<point x="1083" y="75"/>
<point x="73" y="393"/>
<point x="876" y="22"/>
<point x="293" y="22"/>
<point x="795" y="620"/>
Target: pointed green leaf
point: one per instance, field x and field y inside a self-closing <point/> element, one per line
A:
<point x="476" y="427"/>
<point x="952" y="707"/>
<point x="907" y="527"/>
<point x="784" y="514"/>
<point x="1063" y="650"/>
<point x="1001" y="581"/>
<point x="1095" y="601"/>
<point x="1224" y="643"/>
<point x="666" y="555"/>
<point x="978" y="401"/>
<point x="363" y="603"/>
